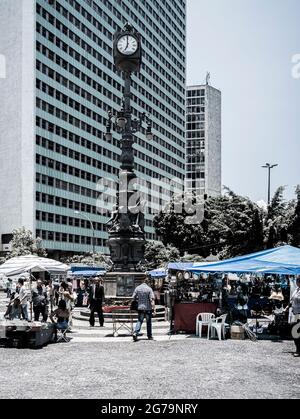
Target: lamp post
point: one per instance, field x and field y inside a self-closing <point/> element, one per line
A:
<point x="93" y="230"/>
<point x="269" y="167"/>
<point x="126" y="227"/>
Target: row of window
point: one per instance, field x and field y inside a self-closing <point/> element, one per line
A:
<point x="195" y="101"/>
<point x="49" y="217"/>
<point x="108" y="94"/>
<point x="69" y="238"/>
<point x="65" y="203"/>
<point x="73" y="171"/>
<point x="48" y="126"/>
<point x="195" y="109"/>
<point x="91" y="193"/>
<point x="75" y="238"/>
<point x="195" y="143"/>
<point x="192" y="126"/>
<point x="101" y="90"/>
<point x="58" y="78"/>
<point x="70" y="221"/>
<point x="72" y="154"/>
<point x="195" y="93"/>
<point x="66" y="100"/>
<point x="95" y="194"/>
<point x="150" y="21"/>
<point x="162" y="15"/>
<point x="195" y="117"/>
<point x="66" y="186"/>
<point x="195" y="134"/>
<point x="68" y="152"/>
<point x="196" y="175"/>
<point x="195" y="158"/>
<point x="50" y="18"/>
<point x="195" y="166"/>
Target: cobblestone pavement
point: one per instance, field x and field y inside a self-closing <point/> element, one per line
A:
<point x="176" y="367"/>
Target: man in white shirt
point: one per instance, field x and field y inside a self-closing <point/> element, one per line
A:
<point x="23" y="296"/>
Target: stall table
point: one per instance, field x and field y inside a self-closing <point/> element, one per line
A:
<point x="185" y="315"/>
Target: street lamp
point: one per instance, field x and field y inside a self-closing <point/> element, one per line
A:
<point x="269" y="167"/>
<point x="92" y="227"/>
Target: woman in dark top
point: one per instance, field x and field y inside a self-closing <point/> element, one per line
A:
<point x="62" y="315"/>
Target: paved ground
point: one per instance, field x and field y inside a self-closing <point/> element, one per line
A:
<point x="193" y="368"/>
<point x="93" y="365"/>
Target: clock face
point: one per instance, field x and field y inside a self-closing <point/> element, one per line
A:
<point x="127" y="45"/>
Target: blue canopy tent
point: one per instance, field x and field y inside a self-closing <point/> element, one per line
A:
<point x="87" y="271"/>
<point x="157" y="273"/>
<point x="282" y="260"/>
<point x="176" y="266"/>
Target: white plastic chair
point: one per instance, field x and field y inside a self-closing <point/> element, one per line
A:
<point x="205" y="320"/>
<point x="217" y="325"/>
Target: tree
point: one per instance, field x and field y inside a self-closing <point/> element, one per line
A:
<point x="232" y="225"/>
<point x="172" y="227"/>
<point x="157" y="255"/>
<point x="23" y="243"/>
<point x="90" y="259"/>
<point x="277" y="220"/>
<point x="294" y="228"/>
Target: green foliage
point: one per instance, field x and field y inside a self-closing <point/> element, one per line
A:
<point x="277" y="220"/>
<point x="294" y="227"/>
<point x="23" y="243"/>
<point x="158" y="255"/>
<point x="233" y="225"/>
<point x="89" y="259"/>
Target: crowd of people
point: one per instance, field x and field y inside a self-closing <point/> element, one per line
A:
<point x="46" y="299"/>
<point x="53" y="300"/>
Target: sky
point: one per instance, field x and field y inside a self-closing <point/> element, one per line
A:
<point x="247" y="46"/>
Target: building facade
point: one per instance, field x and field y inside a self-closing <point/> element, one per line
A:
<point x="203" y="140"/>
<point x="60" y="83"/>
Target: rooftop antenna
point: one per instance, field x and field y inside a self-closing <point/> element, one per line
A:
<point x="207" y="78"/>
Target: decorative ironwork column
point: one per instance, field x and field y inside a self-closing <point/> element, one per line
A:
<point x="126" y="226"/>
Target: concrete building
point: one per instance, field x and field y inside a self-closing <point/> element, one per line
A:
<point x="203" y="140"/>
<point x="56" y="88"/>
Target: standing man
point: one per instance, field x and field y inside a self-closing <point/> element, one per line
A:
<point x="96" y="299"/>
<point x="23" y="296"/>
<point x="39" y="301"/>
<point x="146" y="305"/>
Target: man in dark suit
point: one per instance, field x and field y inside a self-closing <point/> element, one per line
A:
<point x="96" y="299"/>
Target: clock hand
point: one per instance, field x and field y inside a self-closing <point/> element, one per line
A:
<point x="127" y="43"/>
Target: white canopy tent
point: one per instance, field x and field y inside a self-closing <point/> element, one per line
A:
<point x="29" y="264"/>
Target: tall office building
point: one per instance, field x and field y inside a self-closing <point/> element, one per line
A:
<point x="203" y="140"/>
<point x="59" y="84"/>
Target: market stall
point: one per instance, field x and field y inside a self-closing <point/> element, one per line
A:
<point x="185" y="315"/>
<point x="30" y="264"/>
<point x="22" y="334"/>
<point x="262" y="291"/>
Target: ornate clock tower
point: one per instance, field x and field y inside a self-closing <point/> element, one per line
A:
<point x="126" y="226"/>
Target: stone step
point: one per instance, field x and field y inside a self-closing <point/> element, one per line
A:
<point x="78" y="326"/>
<point x="84" y="314"/>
